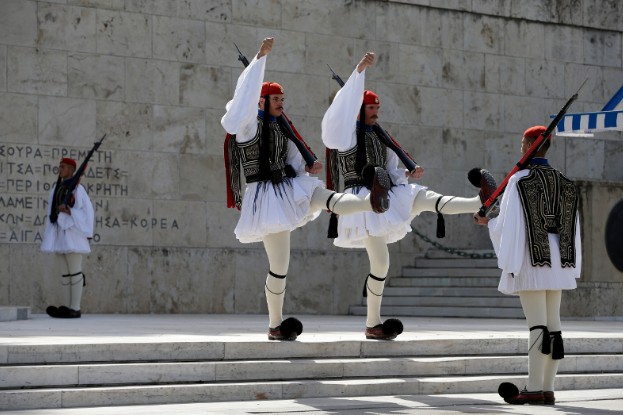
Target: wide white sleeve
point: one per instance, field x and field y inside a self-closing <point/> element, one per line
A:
<point x="242" y="109"/>
<point x="295" y="159"/>
<point x="508" y="230"/>
<point x="339" y="123"/>
<point x="396" y="173"/>
<point x="82" y="216"/>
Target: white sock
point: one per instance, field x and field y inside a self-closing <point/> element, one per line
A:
<point x="73" y="284"/>
<point x="374" y="290"/>
<point x="77" y="282"/>
<point x="551" y="368"/>
<point x="536" y="361"/>
<point x="275" y="290"/>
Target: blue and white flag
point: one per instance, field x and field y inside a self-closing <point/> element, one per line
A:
<point x="610" y="118"/>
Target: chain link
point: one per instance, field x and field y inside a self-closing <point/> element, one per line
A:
<point x="454" y="251"/>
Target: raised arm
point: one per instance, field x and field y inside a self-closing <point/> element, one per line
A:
<point x="339" y="122"/>
<point x="242" y="109"/>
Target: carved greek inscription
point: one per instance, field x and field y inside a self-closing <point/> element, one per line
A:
<point x="28" y="173"/>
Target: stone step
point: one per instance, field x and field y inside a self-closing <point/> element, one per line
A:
<point x="502" y="301"/>
<point x="155" y="373"/>
<point x="456" y="262"/>
<point x="450" y="272"/>
<point x="441" y="291"/>
<point x="477" y="254"/>
<point x="14" y="313"/>
<point x="464" y="312"/>
<point x="238" y="391"/>
<point x="444" y="282"/>
<point x="135" y="351"/>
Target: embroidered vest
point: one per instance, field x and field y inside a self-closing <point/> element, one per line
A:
<point x="375" y="153"/>
<point x="277" y="150"/>
<point x="550" y="204"/>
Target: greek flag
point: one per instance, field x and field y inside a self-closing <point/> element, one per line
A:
<point x="610" y="118"/>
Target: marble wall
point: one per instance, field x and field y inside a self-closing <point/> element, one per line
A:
<point x="459" y="82"/>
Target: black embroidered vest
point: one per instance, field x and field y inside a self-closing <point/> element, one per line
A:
<point x="277" y="150"/>
<point x="550" y="204"/>
<point x="375" y="153"/>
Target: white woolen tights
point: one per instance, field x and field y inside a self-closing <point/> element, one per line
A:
<point x="72" y="286"/>
<point x="425" y="201"/>
<point x="277" y="247"/>
<point x="340" y="203"/>
<point x="378" y="255"/>
<point x="541" y="308"/>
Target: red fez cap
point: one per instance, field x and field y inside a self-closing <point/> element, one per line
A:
<point x="534" y="132"/>
<point x="271" y="88"/>
<point x="67" y="160"/>
<point x="370" y="98"/>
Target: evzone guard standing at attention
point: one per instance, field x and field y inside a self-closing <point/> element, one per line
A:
<point x="536" y="237"/>
<point x="280" y="194"/>
<point x="67" y="232"/>
<point x="358" y="144"/>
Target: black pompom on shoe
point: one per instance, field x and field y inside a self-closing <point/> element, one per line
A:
<point x="52" y="311"/>
<point x="507" y="390"/>
<point x="474" y="176"/>
<point x="482" y="179"/>
<point x="288" y="330"/>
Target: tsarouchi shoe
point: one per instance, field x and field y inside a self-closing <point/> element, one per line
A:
<point x="389" y="330"/>
<point x="66" y="312"/>
<point x="523" y="397"/>
<point x="288" y="330"/>
<point x="380" y="183"/>
<point x="549" y="398"/>
<point x="482" y="179"/>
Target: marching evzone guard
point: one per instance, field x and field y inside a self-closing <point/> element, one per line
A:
<point x="67" y="232"/>
<point x="280" y="194"/>
<point x="350" y="129"/>
<point x="536" y="237"/>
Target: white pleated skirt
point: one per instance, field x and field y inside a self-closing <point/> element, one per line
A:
<point x="542" y="278"/>
<point x="268" y="208"/>
<point x="394" y="224"/>
<point x="64" y="241"/>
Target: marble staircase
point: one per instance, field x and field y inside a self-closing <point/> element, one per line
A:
<point x="128" y="373"/>
<point x="442" y="285"/>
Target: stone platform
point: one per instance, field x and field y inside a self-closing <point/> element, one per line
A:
<point x="12" y="313"/>
<point x="114" y="360"/>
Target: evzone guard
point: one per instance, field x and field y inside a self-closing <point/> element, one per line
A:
<point x="280" y="194"/>
<point x="536" y="237"/>
<point x="358" y="148"/>
<point x="67" y="231"/>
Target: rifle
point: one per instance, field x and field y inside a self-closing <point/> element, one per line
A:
<point x="528" y="156"/>
<point x="68" y="186"/>
<point x="386" y="139"/>
<point x="301" y="145"/>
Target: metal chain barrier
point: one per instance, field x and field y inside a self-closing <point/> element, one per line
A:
<point x="454" y="251"/>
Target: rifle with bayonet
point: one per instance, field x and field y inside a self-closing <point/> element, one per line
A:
<point x="64" y="190"/>
<point x="301" y="145"/>
<point x="528" y="156"/>
<point x="385" y="138"/>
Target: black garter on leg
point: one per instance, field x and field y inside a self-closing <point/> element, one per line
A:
<point x="441" y="223"/>
<point x="365" y="285"/>
<point x="558" y="349"/>
<point x="332" y="231"/>
<point x="546" y="347"/>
